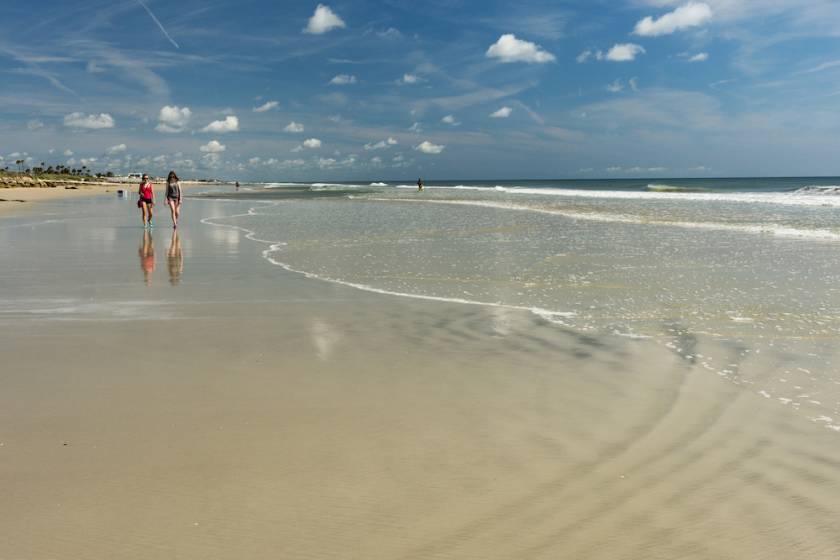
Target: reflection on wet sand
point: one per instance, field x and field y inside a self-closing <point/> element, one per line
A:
<point x="175" y="259"/>
<point x="147" y="256"/>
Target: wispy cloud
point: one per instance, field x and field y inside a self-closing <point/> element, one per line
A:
<point x="267" y="106"/>
<point x="159" y="24"/>
<point x="819" y="68"/>
<point x="343" y="80"/>
<point x="93" y="122"/>
<point x="693" y="14"/>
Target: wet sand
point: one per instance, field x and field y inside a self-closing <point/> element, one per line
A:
<point x="205" y="404"/>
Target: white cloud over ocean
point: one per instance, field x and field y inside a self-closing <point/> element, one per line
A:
<point x="429" y="148"/>
<point x="323" y="20"/>
<point x="501" y="113"/>
<point x="229" y="124"/>
<point x="213" y="147"/>
<point x="92" y="122"/>
<point x="622" y="52"/>
<point x="382" y="144"/>
<point x="692" y="14"/>
<point x="172" y="119"/>
<point x="343" y="80"/>
<point x="510" y="49"/>
<point x="267" y="106"/>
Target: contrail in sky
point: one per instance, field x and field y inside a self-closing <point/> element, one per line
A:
<point x="159" y="24"/>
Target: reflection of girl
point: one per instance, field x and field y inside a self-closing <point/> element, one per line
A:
<point x="173" y="197"/>
<point x="175" y="259"/>
<point x="147" y="256"/>
<point x="147" y="200"/>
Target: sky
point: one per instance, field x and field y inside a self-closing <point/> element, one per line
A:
<point x="457" y="89"/>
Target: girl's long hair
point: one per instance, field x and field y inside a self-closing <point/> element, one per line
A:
<point x="172" y="176"/>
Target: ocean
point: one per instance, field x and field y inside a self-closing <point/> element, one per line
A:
<point x="749" y="265"/>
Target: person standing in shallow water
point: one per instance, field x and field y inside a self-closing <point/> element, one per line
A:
<point x="173" y="197"/>
<point x="147" y="200"/>
<point x="420" y="184"/>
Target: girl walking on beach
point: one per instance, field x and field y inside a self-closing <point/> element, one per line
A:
<point x="173" y="197"/>
<point x="147" y="200"/>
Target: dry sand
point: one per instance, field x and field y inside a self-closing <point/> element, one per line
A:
<point x="247" y="412"/>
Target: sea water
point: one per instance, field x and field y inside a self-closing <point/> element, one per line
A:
<point x="740" y="276"/>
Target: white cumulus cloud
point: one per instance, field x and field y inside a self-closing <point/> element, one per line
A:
<point x="118" y="149"/>
<point x="689" y="15"/>
<point x="67" y="153"/>
<point x="267" y="106"/>
<point x="448" y="119"/>
<point x="699" y="57"/>
<point x="213" y="147"/>
<point x="510" y="49"/>
<point x="80" y="120"/>
<point x="428" y="148"/>
<point x="502" y="113"/>
<point x="343" y="80"/>
<point x="409" y="79"/>
<point x="230" y="124"/>
<point x="312" y="143"/>
<point x="173" y="118"/>
<point x="34" y="125"/>
<point x="293" y="127"/>
<point x="623" y="52"/>
<point x="323" y="20"/>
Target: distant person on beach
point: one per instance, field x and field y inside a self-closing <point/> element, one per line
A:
<point x="147" y="256"/>
<point x="237" y="185"/>
<point x="420" y="184"/>
<point x="147" y="200"/>
<point x="173" y="197"/>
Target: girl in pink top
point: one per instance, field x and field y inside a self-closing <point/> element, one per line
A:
<point x="147" y="200"/>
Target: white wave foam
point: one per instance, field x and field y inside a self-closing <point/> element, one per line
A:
<point x="669" y="193"/>
<point x="762" y="229"/>
<point x="275" y="185"/>
<point x="812" y="190"/>
<point x="334" y="186"/>
<point x="378" y="184"/>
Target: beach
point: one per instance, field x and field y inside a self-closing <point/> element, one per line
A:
<point x="303" y="374"/>
<point x="12" y="196"/>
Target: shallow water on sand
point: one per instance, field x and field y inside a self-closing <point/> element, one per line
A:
<point x="751" y="293"/>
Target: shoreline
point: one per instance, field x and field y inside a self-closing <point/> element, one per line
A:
<point x="15" y="198"/>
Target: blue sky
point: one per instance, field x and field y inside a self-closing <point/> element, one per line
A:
<point x="270" y="90"/>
